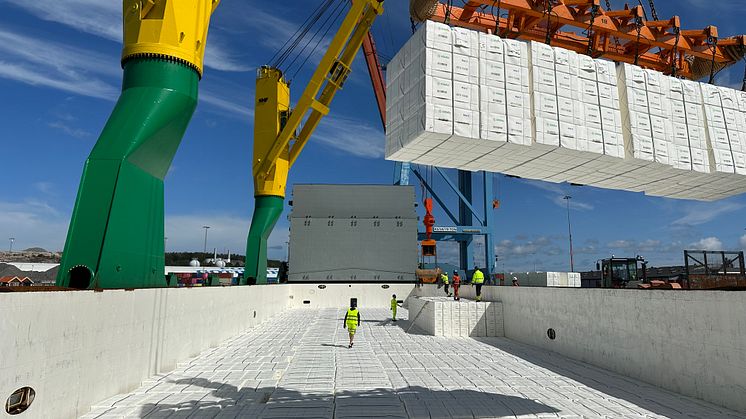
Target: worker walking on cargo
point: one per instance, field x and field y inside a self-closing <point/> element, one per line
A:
<point x="352" y="320"/>
<point x="394" y="306"/>
<point x="456" y="283"/>
<point x="477" y="279"/>
<point x="444" y="278"/>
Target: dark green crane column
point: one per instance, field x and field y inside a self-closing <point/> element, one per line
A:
<point x="115" y="238"/>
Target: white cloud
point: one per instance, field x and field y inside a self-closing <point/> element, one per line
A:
<point x="104" y="19"/>
<point x="219" y="58"/>
<point x="232" y="107"/>
<point x="101" y="18"/>
<point x="86" y="87"/>
<point x="63" y="67"/>
<point x="701" y="213"/>
<point x="71" y="131"/>
<point x="707" y="243"/>
<point x="742" y="241"/>
<point x="33" y="223"/>
<point x="351" y="136"/>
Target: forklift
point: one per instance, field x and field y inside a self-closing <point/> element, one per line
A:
<point x="623" y="272"/>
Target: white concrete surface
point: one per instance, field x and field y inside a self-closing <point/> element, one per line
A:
<point x="338" y="295"/>
<point x="690" y="342"/>
<point x="74" y="348"/>
<point x="298" y="365"/>
<point x="442" y="316"/>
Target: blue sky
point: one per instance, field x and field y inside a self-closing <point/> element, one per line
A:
<point x="60" y="76"/>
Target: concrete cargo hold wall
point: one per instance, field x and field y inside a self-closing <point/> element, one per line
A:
<point x="474" y="101"/>
<point x="353" y="233"/>
<point x="689" y="342"/>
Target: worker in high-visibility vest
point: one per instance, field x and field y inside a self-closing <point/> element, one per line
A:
<point x="477" y="279"/>
<point x="456" y="283"/>
<point x="394" y="306"/>
<point x="444" y="278"/>
<point x="352" y="321"/>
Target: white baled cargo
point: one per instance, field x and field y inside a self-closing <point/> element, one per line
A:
<point x="423" y="90"/>
<point x="474" y="101"/>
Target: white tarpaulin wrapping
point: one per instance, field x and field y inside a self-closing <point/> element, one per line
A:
<point x="461" y="99"/>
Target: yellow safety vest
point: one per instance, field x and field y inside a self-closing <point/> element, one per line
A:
<point x="478" y="277"/>
<point x="393" y="304"/>
<point x="352" y="317"/>
<point x="444" y="277"/>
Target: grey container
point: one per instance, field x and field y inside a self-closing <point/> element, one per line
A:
<point x="350" y="233"/>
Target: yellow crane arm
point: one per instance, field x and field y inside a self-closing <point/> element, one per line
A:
<point x="329" y="77"/>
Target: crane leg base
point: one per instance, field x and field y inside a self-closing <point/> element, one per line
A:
<point x="267" y="210"/>
<point x="115" y="238"/>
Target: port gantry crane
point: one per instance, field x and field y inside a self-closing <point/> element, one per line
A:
<point x="115" y="238"/>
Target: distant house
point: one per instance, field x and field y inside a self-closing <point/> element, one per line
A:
<point x="15" y="281"/>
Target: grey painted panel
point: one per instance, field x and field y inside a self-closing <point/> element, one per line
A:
<point x="363" y="201"/>
<point x="368" y="243"/>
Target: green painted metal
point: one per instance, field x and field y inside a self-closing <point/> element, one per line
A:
<point x="115" y="239"/>
<point x="267" y="210"/>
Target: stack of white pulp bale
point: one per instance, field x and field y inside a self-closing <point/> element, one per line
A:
<point x="474" y="101"/>
<point x="419" y="90"/>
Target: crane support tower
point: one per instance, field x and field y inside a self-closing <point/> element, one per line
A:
<point x="115" y="238"/>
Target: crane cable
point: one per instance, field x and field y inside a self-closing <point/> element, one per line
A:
<point x="594" y="11"/>
<point x="743" y="50"/>
<point x="653" y="13"/>
<point x="326" y="25"/>
<point x="497" y="16"/>
<point x="301" y="33"/>
<point x="548" y="13"/>
<point x="447" y="17"/>
<point x="674" y="53"/>
<point x="712" y="41"/>
<point x="638" y="24"/>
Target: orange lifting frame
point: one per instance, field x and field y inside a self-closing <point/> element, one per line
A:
<point x="613" y="35"/>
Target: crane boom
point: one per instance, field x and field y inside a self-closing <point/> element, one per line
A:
<point x="619" y="35"/>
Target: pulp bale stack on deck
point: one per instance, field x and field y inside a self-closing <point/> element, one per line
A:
<point x="473" y="101"/>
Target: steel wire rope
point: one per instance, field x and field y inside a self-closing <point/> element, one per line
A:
<point x="303" y="34"/>
<point x="675" y="51"/>
<point x="638" y="25"/>
<point x="281" y="49"/>
<point x="497" y="16"/>
<point x="387" y="31"/>
<point x="328" y="23"/>
<point x="712" y="41"/>
<point x="590" y="32"/>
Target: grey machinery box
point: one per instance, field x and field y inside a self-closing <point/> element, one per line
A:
<point x="353" y="233"/>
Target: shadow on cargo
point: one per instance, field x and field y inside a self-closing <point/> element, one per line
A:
<point x="331" y="345"/>
<point x="277" y="402"/>
<point x="636" y="392"/>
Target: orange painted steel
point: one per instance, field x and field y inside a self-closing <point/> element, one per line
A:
<point x="613" y="34"/>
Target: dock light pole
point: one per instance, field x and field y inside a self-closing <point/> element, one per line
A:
<point x="206" y="228"/>
<point x="12" y="239"/>
<point x="569" y="230"/>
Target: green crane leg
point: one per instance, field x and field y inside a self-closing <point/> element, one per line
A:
<point x="267" y="210"/>
<point x="115" y="239"/>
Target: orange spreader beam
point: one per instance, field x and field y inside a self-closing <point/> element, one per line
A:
<point x="613" y="34"/>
